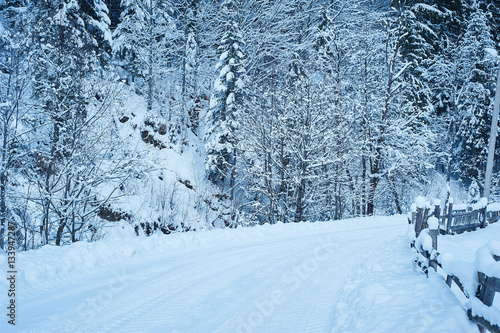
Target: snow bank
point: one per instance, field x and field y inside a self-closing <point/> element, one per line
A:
<point x="464" y="271"/>
<point x="421" y="202"/>
<point x="493" y="207"/>
<point x="483" y="202"/>
<point x="471" y="261"/>
<point x="485" y="262"/>
<point x="433" y="223"/>
<point x="490" y="313"/>
<point x="424" y="241"/>
<point x="464" y="246"/>
<point x="467" y="272"/>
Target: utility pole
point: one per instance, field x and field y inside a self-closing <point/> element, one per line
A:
<point x="491" y="144"/>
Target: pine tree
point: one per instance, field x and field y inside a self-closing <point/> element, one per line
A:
<point x="478" y="74"/>
<point x="221" y="138"/>
<point x="141" y="40"/>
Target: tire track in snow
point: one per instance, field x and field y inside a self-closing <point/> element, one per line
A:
<point x="308" y="315"/>
<point x="150" y="289"/>
<point x="214" y="289"/>
<point x="204" y="288"/>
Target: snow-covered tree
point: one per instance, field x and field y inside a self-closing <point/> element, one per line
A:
<point x="221" y="138"/>
<point x="70" y="50"/>
<point x="478" y="69"/>
<point x="142" y="40"/>
<point x="14" y="82"/>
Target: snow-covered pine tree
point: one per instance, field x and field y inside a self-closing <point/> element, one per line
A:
<point x="444" y="79"/>
<point x="478" y="69"/>
<point x="221" y="138"/>
<point x="187" y="47"/>
<point x="418" y="40"/>
<point x="141" y="40"/>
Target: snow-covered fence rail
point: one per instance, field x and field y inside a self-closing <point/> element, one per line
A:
<point x="492" y="216"/>
<point x="460" y="222"/>
<point x="456" y="221"/>
<point x="478" y="281"/>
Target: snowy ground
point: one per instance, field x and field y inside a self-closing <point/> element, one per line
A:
<point x="347" y="276"/>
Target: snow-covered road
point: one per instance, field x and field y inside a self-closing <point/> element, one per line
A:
<point x="346" y="276"/>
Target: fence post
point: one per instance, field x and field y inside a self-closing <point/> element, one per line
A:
<point x="449" y="280"/>
<point x="450" y="217"/>
<point x="483" y="221"/>
<point x="418" y="221"/>
<point x="486" y="294"/>
<point x="437" y="209"/>
<point x="434" y="231"/>
<point x="425" y="218"/>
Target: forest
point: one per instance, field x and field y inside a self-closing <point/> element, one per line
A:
<point x="181" y="115"/>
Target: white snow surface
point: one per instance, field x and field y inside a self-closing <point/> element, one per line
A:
<point x="353" y="275"/>
<point x="421" y="202"/>
<point x="433" y="223"/>
<point x="466" y="253"/>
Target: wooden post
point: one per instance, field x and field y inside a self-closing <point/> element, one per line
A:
<point x="486" y="295"/>
<point x="434" y="236"/>
<point x="449" y="280"/>
<point x="413" y="217"/>
<point x="450" y="217"/>
<point x="424" y="219"/>
<point x="483" y="221"/>
<point x="418" y="221"/>
<point x="437" y="211"/>
<point x="434" y="231"/>
<point x="488" y="286"/>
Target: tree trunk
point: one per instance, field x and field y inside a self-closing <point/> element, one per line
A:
<point x="46" y="209"/>
<point x="150" y="58"/>
<point x="3" y="181"/>
<point x="363" y="187"/>
<point x="299" y="210"/>
<point x="60" y="230"/>
<point x="232" y="177"/>
<point x="395" y="194"/>
<point x="450" y="162"/>
<point x="370" y="205"/>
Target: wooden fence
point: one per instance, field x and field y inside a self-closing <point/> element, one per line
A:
<point x="457" y="221"/>
<point x="429" y="257"/>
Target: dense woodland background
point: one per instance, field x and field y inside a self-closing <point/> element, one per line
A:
<point x="182" y="115"/>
